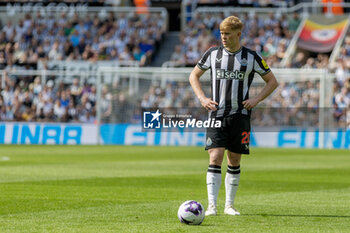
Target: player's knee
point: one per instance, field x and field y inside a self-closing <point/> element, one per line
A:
<point x="215" y="161"/>
<point x="216" y="157"/>
<point x="234" y="159"/>
<point x="234" y="162"/>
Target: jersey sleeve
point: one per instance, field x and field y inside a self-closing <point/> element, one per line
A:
<point x="204" y="62"/>
<point x="260" y="65"/>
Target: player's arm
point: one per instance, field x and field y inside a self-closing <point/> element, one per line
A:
<point x="271" y="85"/>
<point x="195" y="75"/>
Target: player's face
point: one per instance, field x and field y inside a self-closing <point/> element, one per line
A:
<point x="230" y="38"/>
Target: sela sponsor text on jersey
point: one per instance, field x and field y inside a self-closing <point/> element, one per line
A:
<point x="230" y="75"/>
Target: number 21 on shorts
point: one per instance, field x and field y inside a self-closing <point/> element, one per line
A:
<point x="245" y="137"/>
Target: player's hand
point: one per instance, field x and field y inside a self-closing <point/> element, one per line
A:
<point x="250" y="103"/>
<point x="208" y="104"/>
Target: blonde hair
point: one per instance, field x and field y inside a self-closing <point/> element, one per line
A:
<point x="231" y="22"/>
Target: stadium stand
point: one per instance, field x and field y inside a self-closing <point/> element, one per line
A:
<point x="246" y="3"/>
<point x="341" y="88"/>
<point x="45" y="2"/>
<point x="270" y="36"/>
<point x="34" y="39"/>
<point x="117" y="37"/>
<point x="33" y="101"/>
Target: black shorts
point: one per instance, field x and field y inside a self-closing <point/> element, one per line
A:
<point x="234" y="134"/>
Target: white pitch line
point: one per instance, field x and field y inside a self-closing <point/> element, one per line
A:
<point x="4" y="158"/>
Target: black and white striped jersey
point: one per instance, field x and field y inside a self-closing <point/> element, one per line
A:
<point x="231" y="76"/>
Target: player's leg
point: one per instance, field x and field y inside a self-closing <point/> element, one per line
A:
<point x="238" y="144"/>
<point x="216" y="156"/>
<point x="232" y="181"/>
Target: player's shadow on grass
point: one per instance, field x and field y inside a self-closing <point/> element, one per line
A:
<point x="298" y="215"/>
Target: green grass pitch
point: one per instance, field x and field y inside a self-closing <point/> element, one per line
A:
<point x="139" y="189"/>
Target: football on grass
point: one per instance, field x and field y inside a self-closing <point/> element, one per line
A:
<point x="191" y="213"/>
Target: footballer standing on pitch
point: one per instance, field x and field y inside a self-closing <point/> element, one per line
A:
<point x="232" y="71"/>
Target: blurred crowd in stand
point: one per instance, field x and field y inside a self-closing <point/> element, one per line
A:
<point x="34" y="38"/>
<point x="60" y="102"/>
<point x="292" y="103"/>
<point x="269" y="35"/>
<point x="46" y="2"/>
<point x="50" y="102"/>
<point x="122" y="37"/>
<point x="341" y="87"/>
<point x="246" y="3"/>
<point x="175" y="94"/>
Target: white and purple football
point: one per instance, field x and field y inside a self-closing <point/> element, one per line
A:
<point x="191" y="213"/>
